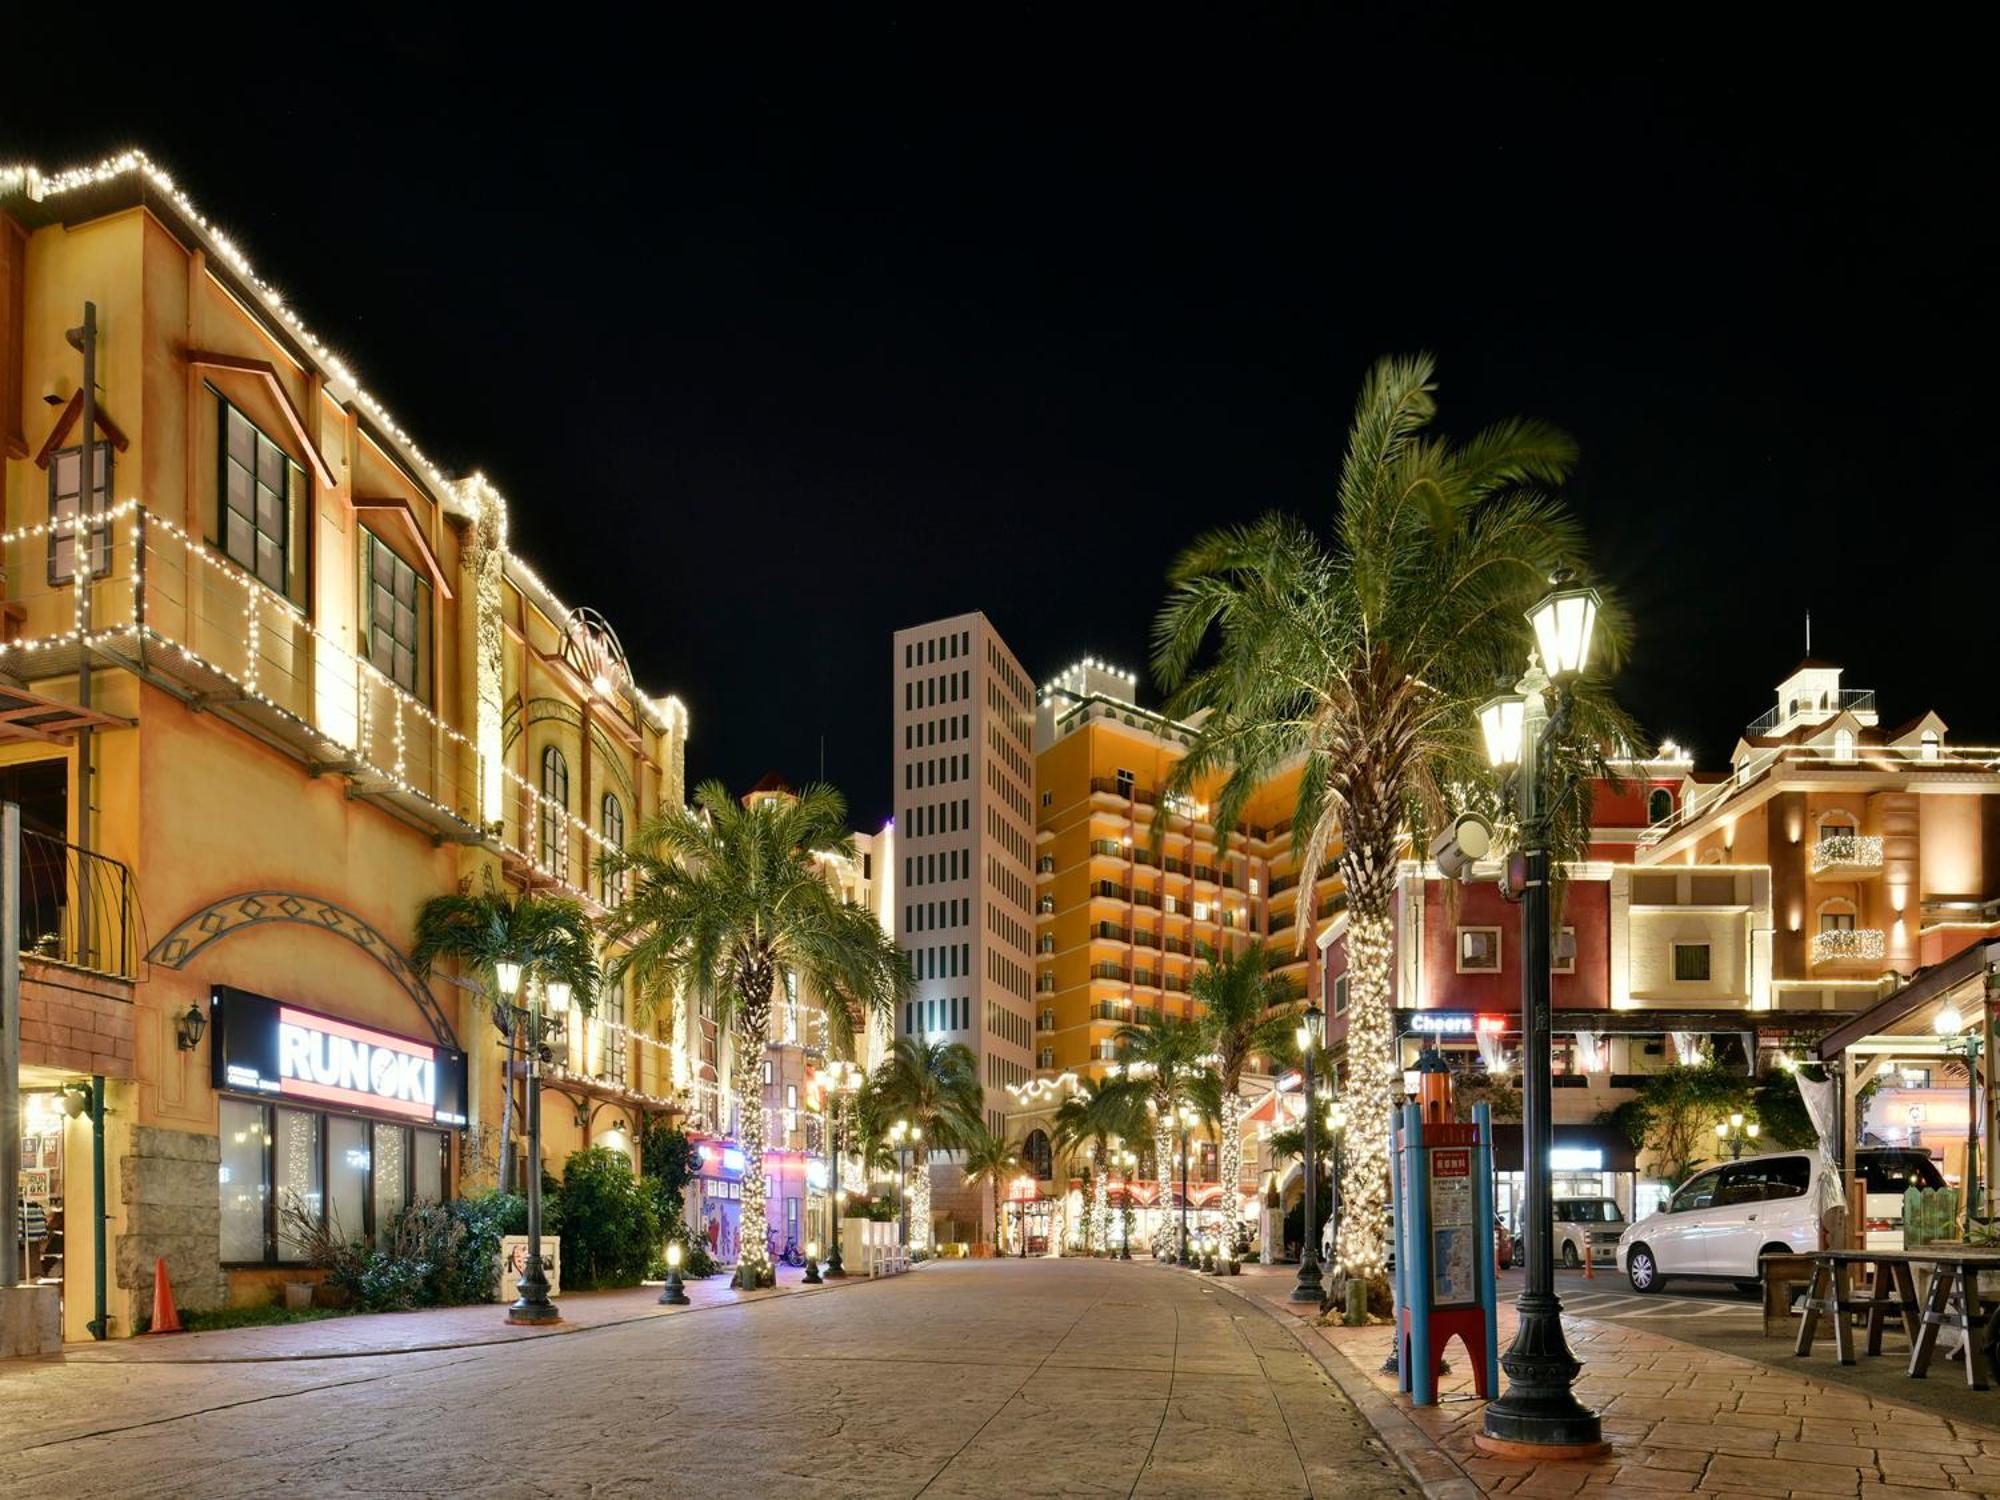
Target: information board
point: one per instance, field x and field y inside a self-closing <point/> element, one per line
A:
<point x="1452" y="1228"/>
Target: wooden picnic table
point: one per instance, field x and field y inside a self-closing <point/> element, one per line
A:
<point x="1951" y="1301"/>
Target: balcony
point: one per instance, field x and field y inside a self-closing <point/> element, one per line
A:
<point x="77" y="908"/>
<point x="1853" y="854"/>
<point x="1816" y="710"/>
<point x="1848" y="945"/>
<point x="181" y="616"/>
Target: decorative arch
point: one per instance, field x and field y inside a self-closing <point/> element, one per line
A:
<point x="1035" y="1150"/>
<point x="1836" y="815"/>
<point x="1838" y="906"/>
<point x="1659" y="805"/>
<point x="203" y="929"/>
<point x="535" y="711"/>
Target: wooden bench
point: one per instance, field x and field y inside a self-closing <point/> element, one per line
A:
<point x="1829" y="1295"/>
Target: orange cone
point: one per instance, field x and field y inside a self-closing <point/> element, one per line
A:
<point x="165" y="1319"/>
<point x="1588" y="1274"/>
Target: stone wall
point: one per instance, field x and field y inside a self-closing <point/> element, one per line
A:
<point x="78" y="1022"/>
<point x="172" y="1209"/>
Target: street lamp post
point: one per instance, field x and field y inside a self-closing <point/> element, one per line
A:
<point x="1127" y="1161"/>
<point x="532" y="1305"/>
<point x="1311" y="1032"/>
<point x="1186" y="1117"/>
<point x="1539" y="1409"/>
<point x="1736" y="1134"/>
<point x="846" y="1079"/>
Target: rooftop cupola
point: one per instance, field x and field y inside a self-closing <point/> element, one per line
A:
<point x="1812" y="695"/>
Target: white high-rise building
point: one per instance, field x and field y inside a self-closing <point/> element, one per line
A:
<point x="964" y="789"/>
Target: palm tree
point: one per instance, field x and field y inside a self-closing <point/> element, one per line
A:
<point x="1362" y="655"/>
<point x="1164" y="1057"/>
<point x="1245" y="1012"/>
<point x="550" y="938"/>
<point x="1094" y="1122"/>
<point x="934" y="1088"/>
<point x="725" y="902"/>
<point x="989" y="1158"/>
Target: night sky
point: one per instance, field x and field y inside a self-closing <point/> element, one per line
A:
<point x="780" y="340"/>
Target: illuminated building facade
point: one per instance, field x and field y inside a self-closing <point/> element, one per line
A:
<point x="269" y="680"/>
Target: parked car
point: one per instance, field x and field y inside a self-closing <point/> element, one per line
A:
<point x="1722" y="1219"/>
<point x="1595" y="1222"/>
<point x="1887" y="1171"/>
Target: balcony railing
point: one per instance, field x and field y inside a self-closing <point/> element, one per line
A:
<point x="77" y="908"/>
<point x="1822" y="705"/>
<point x="1848" y="945"/>
<point x="1847" y="851"/>
<point x="170" y="608"/>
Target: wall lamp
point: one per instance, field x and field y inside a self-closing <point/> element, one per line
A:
<point x="189" y="1027"/>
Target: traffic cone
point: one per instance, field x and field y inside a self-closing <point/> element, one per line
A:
<point x="1588" y="1274"/>
<point x="165" y="1319"/>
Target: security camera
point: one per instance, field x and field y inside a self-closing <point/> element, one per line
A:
<point x="1463" y="843"/>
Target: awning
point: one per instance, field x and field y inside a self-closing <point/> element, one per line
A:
<point x="1907" y="1012"/>
<point x="1607" y="1146"/>
<point x="26" y="715"/>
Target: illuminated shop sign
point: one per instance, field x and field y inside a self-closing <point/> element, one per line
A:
<point x="1575" y="1159"/>
<point x="262" y="1046"/>
<point x="1455" y="1023"/>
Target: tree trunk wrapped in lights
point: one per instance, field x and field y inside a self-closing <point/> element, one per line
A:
<point x="1098" y="1235"/>
<point x="1229" y="1160"/>
<point x="1374" y="1082"/>
<point x="753" y="1022"/>
<point x="1164" y="1240"/>
<point x="920" y="1197"/>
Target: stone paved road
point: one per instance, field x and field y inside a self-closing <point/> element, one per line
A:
<point x="977" y="1378"/>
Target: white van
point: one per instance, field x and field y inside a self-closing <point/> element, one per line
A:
<point x="1722" y="1219"/>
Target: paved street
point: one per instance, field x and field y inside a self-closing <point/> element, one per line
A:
<point x="964" y="1379"/>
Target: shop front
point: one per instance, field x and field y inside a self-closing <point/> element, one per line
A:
<point x="1589" y="1163"/>
<point x="324" y="1125"/>
<point x="719" y="1181"/>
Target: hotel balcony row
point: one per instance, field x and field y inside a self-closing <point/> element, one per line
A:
<point x="1847" y="855"/>
<point x="166" y="607"/>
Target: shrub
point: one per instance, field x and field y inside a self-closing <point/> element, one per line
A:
<point x="610" y="1230"/>
<point x="668" y="1158"/>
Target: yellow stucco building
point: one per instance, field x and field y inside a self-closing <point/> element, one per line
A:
<point x="268" y="682"/>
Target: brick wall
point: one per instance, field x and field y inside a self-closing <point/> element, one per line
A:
<point x="79" y="1023"/>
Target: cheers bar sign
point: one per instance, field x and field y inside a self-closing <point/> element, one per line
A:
<point x="266" y="1047"/>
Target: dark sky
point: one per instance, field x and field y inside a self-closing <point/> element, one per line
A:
<point x="780" y="340"/>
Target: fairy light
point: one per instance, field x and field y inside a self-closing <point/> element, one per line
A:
<point x="1373" y="1089"/>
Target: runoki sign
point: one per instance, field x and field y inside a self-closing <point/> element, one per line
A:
<point x="263" y="1046"/>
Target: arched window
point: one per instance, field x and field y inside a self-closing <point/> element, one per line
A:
<point x="1036" y="1153"/>
<point x="611" y="884"/>
<point x="1659" y="805"/>
<point x="1928" y="743"/>
<point x="1836" y="916"/>
<point x="1843" y="744"/>
<point x="612" y="1058"/>
<point x="555" y="813"/>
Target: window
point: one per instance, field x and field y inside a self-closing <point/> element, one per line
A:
<point x="1659" y="805"/>
<point x="1046" y="1058"/>
<point x="259" y="484"/>
<point x="65" y="484"/>
<point x="395" y="614"/>
<point x="1562" y="953"/>
<point x="1478" y="950"/>
<point x="242" y="1175"/>
<point x="1928" y="745"/>
<point x="614" y="1031"/>
<point x="352" y="1175"/>
<point x="1125" y="784"/>
<point x="1691" y="963"/>
<point x="1036" y="1153"/>
<point x="1843" y="744"/>
<point x="611" y="823"/>
<point x="1699" y="1192"/>
<point x="1835" y="919"/>
<point x="1761" y="1181"/>
<point x="1340" y="995"/>
<point x="767" y="1072"/>
<point x="555" y="812"/>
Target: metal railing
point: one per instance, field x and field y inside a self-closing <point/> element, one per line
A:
<point x="1848" y="945"/>
<point x="77" y="908"/>
<point x="1854" y="851"/>
<point x="1825" y="705"/>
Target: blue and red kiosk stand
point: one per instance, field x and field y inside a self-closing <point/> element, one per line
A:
<point x="1441" y="1192"/>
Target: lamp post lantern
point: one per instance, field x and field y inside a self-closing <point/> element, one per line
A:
<point x="1949" y="1025"/>
<point x="1538" y="1409"/>
<point x="532" y="1304"/>
<point x="1735" y="1134"/>
<point x="1310" y="1034"/>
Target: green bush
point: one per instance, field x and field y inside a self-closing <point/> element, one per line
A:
<point x="668" y="1159"/>
<point x="610" y="1230"/>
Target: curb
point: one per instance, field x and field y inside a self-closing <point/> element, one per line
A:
<point x="92" y="1354"/>
<point x="1429" y="1466"/>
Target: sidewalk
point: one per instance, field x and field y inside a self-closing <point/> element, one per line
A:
<point x="1680" y="1420"/>
<point x="426" y="1329"/>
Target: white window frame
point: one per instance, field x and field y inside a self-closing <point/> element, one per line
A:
<point x="1458" y="951"/>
